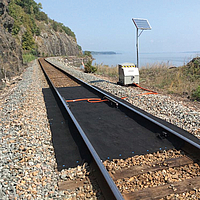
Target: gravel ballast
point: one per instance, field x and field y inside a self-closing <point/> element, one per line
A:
<point x="28" y="168"/>
<point x="26" y="171"/>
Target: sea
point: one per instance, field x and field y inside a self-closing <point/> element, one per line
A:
<point x="175" y="59"/>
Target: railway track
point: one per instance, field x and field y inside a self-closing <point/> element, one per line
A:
<point x="143" y="157"/>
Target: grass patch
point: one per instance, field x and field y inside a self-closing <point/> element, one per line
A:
<point x="105" y="70"/>
<point x="182" y="80"/>
<point x="28" y="57"/>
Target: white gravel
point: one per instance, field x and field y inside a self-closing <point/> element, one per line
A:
<point x="27" y="161"/>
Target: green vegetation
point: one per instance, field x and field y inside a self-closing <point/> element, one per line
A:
<point x="68" y="31"/>
<point x="28" y="57"/>
<point x="80" y="48"/>
<point x="28" y="42"/>
<point x="25" y="14"/>
<point x="89" y="68"/>
<point x="57" y="26"/>
<point x="29" y="6"/>
<point x="183" y="80"/>
<point x="41" y="16"/>
<point x="196" y="94"/>
<point x="87" y="53"/>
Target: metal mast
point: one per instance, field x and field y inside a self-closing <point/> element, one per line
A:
<point x="141" y="24"/>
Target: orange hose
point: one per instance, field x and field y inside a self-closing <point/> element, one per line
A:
<point x="91" y="100"/>
<point x="150" y="91"/>
<point x="97" y="100"/>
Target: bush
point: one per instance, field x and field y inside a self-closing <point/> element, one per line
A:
<point x="89" y="68"/>
<point x="16" y="27"/>
<point x="28" y="57"/>
<point x="79" y="48"/>
<point x="17" y="11"/>
<point x="28" y="42"/>
<point x="196" y="94"/>
<point x="34" y="52"/>
<point x="68" y="31"/>
<point x="55" y="26"/>
<point x="41" y="16"/>
<point x="29" y="6"/>
<point x="88" y="53"/>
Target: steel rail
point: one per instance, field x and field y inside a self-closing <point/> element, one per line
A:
<point x="112" y="190"/>
<point x="175" y="133"/>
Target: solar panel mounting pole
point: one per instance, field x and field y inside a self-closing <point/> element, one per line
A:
<point x="141" y="24"/>
<point x="137" y="49"/>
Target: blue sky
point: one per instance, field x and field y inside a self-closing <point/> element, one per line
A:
<point x="103" y="25"/>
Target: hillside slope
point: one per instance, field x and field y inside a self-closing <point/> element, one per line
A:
<point x="10" y="50"/>
<point x="52" y="43"/>
<point x="26" y="30"/>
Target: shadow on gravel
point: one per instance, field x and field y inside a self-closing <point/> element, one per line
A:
<point x="66" y="150"/>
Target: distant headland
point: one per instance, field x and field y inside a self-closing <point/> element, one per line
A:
<point x="103" y="52"/>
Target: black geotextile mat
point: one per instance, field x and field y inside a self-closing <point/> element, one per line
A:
<point x="171" y="126"/>
<point x="112" y="133"/>
<point x="66" y="150"/>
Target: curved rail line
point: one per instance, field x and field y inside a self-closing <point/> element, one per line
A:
<point x="190" y="145"/>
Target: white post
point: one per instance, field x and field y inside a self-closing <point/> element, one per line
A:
<point x="137" y="45"/>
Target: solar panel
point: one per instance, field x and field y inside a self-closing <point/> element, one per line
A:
<point x="142" y="24"/>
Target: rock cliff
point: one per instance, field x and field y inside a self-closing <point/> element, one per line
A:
<point x="49" y="43"/>
<point x="10" y="51"/>
<point x="52" y="43"/>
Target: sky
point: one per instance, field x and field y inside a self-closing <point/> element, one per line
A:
<point x="106" y="25"/>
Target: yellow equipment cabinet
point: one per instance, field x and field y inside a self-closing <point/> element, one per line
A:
<point x="128" y="74"/>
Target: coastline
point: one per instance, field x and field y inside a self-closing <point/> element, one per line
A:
<point x="170" y="58"/>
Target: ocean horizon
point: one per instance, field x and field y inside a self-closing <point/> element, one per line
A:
<point x="171" y="58"/>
